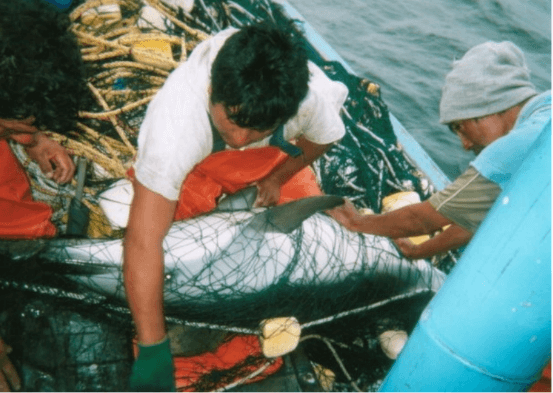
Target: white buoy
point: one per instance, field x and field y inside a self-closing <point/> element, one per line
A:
<point x="279" y="336"/>
<point x="115" y="202"/>
<point x="392" y="342"/>
<point x="151" y="18"/>
<point x="186" y="5"/>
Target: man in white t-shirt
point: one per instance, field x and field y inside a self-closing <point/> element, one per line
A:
<point x="251" y="87"/>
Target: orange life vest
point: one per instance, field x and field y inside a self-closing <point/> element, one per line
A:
<point x="20" y="216"/>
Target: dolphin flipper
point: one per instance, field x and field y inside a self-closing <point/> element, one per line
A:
<point x="242" y="200"/>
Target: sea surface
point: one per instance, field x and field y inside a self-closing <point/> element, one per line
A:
<point x="407" y="48"/>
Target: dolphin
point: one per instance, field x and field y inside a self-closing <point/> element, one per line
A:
<point x="237" y="252"/>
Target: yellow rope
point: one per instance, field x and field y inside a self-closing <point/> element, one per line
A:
<point x="193" y="32"/>
<point x="121" y="147"/>
<point x="109" y="46"/>
<point x="111" y="113"/>
<point x="184" y="50"/>
<point x="104" y="142"/>
<point x="90" y="153"/>
<point x="89" y="39"/>
<point x="141" y="66"/>
<point x="132" y="38"/>
<point x="105" y="55"/>
<point x="153" y="80"/>
<point x="77" y="12"/>
<point x="121" y="31"/>
<point x="98" y="224"/>
<point x="111" y="117"/>
<point x="113" y="74"/>
<point x="127" y="94"/>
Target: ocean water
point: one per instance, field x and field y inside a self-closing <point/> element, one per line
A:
<point x="407" y="48"/>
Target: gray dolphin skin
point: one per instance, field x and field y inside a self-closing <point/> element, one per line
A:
<point x="236" y="251"/>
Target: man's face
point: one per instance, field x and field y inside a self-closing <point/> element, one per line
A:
<point x="476" y="134"/>
<point x="234" y="135"/>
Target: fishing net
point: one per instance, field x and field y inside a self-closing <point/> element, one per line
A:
<point x="64" y="310"/>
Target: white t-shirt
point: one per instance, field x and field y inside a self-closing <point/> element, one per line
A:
<point x="176" y="132"/>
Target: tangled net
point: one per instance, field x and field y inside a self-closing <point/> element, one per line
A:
<point x="72" y="334"/>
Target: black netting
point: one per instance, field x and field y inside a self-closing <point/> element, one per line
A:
<point x="64" y="311"/>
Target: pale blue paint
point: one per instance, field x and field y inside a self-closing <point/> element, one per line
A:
<point x="489" y="327"/>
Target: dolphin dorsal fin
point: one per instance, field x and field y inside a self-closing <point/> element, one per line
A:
<point x="288" y="217"/>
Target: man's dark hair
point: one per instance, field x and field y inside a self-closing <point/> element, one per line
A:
<point x="262" y="72"/>
<point x="41" y="72"/>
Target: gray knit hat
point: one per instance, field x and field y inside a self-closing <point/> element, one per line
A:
<point x="489" y="78"/>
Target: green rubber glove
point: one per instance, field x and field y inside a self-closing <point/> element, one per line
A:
<point x="153" y="370"/>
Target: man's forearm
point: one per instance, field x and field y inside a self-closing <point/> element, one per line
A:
<point x="453" y="237"/>
<point x="143" y="270"/>
<point x="292" y="165"/>
<point x="143" y="274"/>
<point x="413" y="220"/>
<point x="394" y="225"/>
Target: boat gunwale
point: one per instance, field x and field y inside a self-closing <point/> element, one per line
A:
<point x="414" y="152"/>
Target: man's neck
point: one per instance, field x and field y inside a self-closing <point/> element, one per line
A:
<point x="510" y="116"/>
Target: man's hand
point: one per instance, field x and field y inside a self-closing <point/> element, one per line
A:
<point x="269" y="188"/>
<point x="153" y="369"/>
<point x="52" y="158"/>
<point x="346" y="214"/>
<point x="21" y="128"/>
<point x="407" y="247"/>
<point x="451" y="238"/>
<point x="8" y="375"/>
<point x="268" y="192"/>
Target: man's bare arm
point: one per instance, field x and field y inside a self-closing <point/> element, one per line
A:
<point x="453" y="237"/>
<point x="150" y="218"/>
<point x="413" y="220"/>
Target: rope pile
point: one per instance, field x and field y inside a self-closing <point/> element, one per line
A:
<point x="126" y="66"/>
<point x="127" y="59"/>
<point x="129" y="47"/>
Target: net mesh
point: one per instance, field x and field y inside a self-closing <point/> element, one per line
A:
<point x="64" y="310"/>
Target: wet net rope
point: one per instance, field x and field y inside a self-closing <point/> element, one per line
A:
<point x="70" y="333"/>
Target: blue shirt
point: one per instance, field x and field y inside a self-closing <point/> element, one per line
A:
<point x="500" y="160"/>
